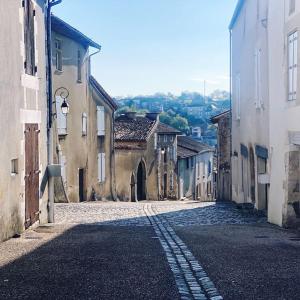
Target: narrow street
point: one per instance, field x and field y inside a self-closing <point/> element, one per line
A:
<point x="151" y="250"/>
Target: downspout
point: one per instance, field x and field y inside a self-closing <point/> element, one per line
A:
<point x="230" y="95"/>
<point x="50" y="4"/>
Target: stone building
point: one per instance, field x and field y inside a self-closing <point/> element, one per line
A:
<point x="265" y="125"/>
<point x="23" y="109"/>
<point x="194" y="169"/>
<point x="284" y="83"/>
<point x="167" y="149"/>
<point x="83" y="137"/>
<point x="136" y="157"/>
<point x="250" y="162"/>
<point x="223" y="185"/>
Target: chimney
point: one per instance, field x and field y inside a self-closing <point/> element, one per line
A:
<point x="154" y="116"/>
<point x="131" y="115"/>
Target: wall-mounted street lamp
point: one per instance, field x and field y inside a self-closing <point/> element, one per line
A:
<point x="64" y="94"/>
<point x="163" y="151"/>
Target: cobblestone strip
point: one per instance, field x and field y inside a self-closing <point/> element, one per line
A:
<point x="191" y="279"/>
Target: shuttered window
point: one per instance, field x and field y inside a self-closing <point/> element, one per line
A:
<point x="292" y="65"/>
<point x="61" y="118"/>
<point x="29" y="14"/>
<point x="257" y="66"/>
<point x="79" y="62"/>
<point x="58" y="55"/>
<point x="100" y="121"/>
<point x="238" y="97"/>
<point x="84" y="124"/>
<point x="292" y="6"/>
<point x="101" y="167"/>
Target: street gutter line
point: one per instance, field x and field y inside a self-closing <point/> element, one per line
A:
<point x="195" y="278"/>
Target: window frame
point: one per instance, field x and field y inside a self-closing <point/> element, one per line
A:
<point x="292" y="64"/>
<point x="29" y="38"/>
<point x="58" y="55"/>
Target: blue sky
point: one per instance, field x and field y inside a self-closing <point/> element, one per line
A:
<point x="151" y="46"/>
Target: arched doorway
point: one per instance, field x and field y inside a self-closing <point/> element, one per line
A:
<point x="141" y="182"/>
<point x="132" y="189"/>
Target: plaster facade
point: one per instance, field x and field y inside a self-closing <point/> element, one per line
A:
<point x="23" y="102"/>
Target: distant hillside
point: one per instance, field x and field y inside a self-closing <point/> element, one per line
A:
<point x="184" y="112"/>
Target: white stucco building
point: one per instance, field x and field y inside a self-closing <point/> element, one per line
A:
<point x="265" y="121"/>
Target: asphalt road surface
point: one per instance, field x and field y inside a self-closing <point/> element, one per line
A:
<point x="157" y="250"/>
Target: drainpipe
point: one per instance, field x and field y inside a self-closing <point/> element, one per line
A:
<point x="50" y="4"/>
<point x="230" y="95"/>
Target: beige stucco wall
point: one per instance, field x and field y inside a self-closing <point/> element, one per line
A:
<point x="126" y="164"/>
<point x="249" y="34"/>
<point x="22" y="100"/>
<point x="74" y="146"/>
<point x="105" y="190"/>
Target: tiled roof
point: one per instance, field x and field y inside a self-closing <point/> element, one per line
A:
<point x="166" y="129"/>
<point x="184" y="152"/>
<point x="191" y="144"/>
<point x="216" y="118"/>
<point x="133" y="129"/>
<point x="103" y="94"/>
<point x="67" y="30"/>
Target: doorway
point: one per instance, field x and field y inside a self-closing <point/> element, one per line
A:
<point x="31" y="174"/>
<point x="252" y="175"/>
<point x="262" y="188"/>
<point x="141" y="182"/>
<point x="81" y="174"/>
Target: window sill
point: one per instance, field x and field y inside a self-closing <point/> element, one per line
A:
<point x="79" y="81"/>
<point x="13" y="174"/>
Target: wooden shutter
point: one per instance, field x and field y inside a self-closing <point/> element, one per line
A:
<point x="292" y="65"/>
<point x="101" y="167"/>
<point x="84" y="124"/>
<point x="100" y="121"/>
<point x="29" y="38"/>
<point x="61" y="118"/>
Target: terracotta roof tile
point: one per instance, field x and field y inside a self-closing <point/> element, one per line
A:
<point x="133" y="129"/>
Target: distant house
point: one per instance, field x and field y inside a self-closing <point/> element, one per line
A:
<point x="84" y="137"/>
<point x="136" y="157"/>
<point x="223" y="188"/>
<point x="195" y="169"/>
<point x="167" y="149"/>
<point x="23" y="120"/>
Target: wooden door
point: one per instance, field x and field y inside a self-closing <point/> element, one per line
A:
<point x="31" y="174"/>
<point x="82" y="188"/>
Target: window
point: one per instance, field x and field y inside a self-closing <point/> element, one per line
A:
<point x="58" y="55"/>
<point x="155" y="141"/>
<point x="29" y="38"/>
<point x="166" y="155"/>
<point x="165" y="138"/>
<point x="14" y="166"/>
<point x="292" y="6"/>
<point x="79" y="63"/>
<point x="187" y="163"/>
<point x="257" y="70"/>
<point x="192" y="162"/>
<point x="293" y="65"/>
<point x="101" y="167"/>
<point x="84" y="124"/>
<point x="61" y="118"/>
<point x="172" y="181"/>
<point x="100" y="121"/>
<point x="238" y="96"/>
